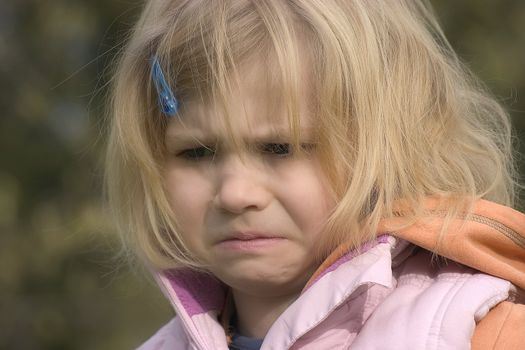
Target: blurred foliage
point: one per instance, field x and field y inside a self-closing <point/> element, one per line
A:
<point x="60" y="287"/>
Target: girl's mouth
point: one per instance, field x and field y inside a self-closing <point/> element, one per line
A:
<point x="255" y="243"/>
<point x="249" y="240"/>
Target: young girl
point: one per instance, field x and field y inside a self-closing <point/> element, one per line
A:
<point x="310" y="174"/>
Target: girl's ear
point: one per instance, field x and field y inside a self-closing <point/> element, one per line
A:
<point x="168" y="103"/>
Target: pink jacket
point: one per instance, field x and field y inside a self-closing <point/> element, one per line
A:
<point x="389" y="294"/>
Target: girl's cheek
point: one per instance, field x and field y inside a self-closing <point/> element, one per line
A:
<point x="186" y="182"/>
<point x="189" y="195"/>
<point x="188" y="189"/>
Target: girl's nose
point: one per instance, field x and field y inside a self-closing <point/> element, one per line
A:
<point x="240" y="187"/>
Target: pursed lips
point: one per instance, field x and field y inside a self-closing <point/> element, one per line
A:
<point x="249" y="235"/>
<point x="249" y="241"/>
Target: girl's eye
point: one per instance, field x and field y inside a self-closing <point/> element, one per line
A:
<point x="197" y="153"/>
<point x="278" y="149"/>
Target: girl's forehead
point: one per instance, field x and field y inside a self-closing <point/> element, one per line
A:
<point x="255" y="106"/>
<point x="248" y="119"/>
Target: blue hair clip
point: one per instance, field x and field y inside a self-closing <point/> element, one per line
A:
<point x="168" y="103"/>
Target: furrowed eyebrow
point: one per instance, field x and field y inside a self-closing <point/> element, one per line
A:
<point x="192" y="136"/>
<point x="175" y="140"/>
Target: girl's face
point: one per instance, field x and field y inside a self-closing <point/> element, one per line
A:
<point x="253" y="219"/>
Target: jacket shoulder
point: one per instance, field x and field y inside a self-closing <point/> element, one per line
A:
<point x="170" y="336"/>
<point x="502" y="328"/>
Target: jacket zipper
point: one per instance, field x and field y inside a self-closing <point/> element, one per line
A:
<point x="511" y="234"/>
<point x="502" y="228"/>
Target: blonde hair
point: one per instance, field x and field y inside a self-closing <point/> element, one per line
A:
<point x="399" y="117"/>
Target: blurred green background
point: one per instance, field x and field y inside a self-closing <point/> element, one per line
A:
<point x="60" y="286"/>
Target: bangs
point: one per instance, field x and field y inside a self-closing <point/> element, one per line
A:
<point x="209" y="55"/>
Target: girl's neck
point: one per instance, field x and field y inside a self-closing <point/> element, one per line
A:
<point x="255" y="314"/>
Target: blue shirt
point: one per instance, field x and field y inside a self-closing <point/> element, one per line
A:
<point x="240" y="342"/>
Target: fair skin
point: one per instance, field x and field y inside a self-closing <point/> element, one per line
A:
<point x="254" y="218"/>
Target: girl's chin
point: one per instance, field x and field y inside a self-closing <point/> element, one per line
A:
<point x="264" y="276"/>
